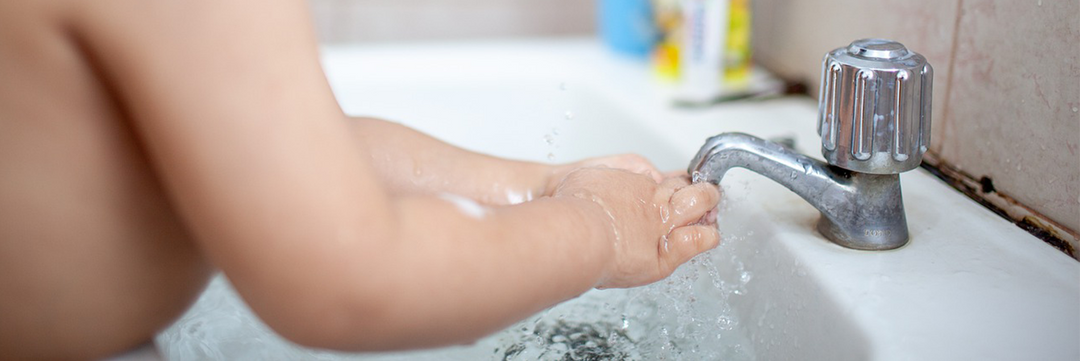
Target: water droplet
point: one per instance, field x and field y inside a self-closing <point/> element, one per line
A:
<point x="1075" y="109"/>
<point x="554" y="131"/>
<point x="563" y="86"/>
<point x="745" y="277"/>
<point x="697" y="177"/>
<point x="569" y="115"/>
<point x="549" y="139"/>
<point x="794" y="174"/>
<point x="551" y="157"/>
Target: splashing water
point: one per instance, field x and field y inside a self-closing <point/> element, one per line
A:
<point x="687" y="316"/>
<point x="684" y="317"/>
<point x="698" y="177"/>
<point x="667" y="320"/>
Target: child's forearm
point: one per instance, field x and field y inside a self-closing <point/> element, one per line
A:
<point x="410" y="162"/>
<point x="454" y="271"/>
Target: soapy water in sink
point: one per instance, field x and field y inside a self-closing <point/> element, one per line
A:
<point x="684" y="317"/>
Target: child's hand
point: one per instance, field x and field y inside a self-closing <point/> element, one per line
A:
<point x="630" y="162"/>
<point x="656" y="227"/>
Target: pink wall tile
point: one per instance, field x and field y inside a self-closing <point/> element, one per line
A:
<point x="1012" y="110"/>
<point x="790" y="37"/>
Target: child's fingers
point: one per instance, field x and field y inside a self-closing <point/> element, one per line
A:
<point x="691" y="202"/>
<point x="684" y="243"/>
<point x="667" y="189"/>
<point x="710" y="217"/>
<point x="633" y="163"/>
<point x="676" y="173"/>
<point x="674" y="183"/>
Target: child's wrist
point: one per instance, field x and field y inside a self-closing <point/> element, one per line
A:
<point x="602" y="232"/>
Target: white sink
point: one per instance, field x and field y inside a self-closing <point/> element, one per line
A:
<point x="969" y="285"/>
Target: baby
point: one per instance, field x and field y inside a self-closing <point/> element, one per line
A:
<point x="145" y="143"/>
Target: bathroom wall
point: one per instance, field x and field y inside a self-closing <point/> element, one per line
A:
<point x="340" y="21"/>
<point x="1006" y="89"/>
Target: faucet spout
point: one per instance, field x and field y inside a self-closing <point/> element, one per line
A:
<point x="858" y="210"/>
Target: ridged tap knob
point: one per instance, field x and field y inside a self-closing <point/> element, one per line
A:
<point x="874" y="107"/>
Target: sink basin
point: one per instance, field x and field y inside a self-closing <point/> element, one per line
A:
<point x="969" y="285"/>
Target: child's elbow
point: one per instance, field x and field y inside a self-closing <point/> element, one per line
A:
<point x="342" y="325"/>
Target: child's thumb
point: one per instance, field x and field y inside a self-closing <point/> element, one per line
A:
<point x="684" y="243"/>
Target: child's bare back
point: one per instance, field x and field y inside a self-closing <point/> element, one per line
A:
<point x="142" y="142"/>
<point x="93" y="259"/>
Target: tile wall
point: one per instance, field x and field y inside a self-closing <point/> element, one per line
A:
<point x="1006" y="86"/>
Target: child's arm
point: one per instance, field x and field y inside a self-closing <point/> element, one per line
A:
<point x="410" y="162"/>
<point x="232" y="109"/>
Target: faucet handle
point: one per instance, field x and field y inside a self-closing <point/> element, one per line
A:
<point x="874" y="107"/>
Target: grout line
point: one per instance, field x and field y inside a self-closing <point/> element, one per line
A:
<point x="982" y="192"/>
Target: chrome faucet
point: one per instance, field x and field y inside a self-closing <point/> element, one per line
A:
<point x="874" y="121"/>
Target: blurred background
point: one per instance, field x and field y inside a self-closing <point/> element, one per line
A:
<point x="1006" y="123"/>
<point x="361" y="21"/>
